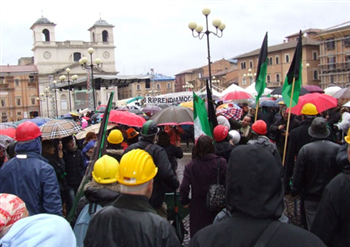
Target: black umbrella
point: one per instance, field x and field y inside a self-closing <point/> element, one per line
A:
<point x="279" y="91"/>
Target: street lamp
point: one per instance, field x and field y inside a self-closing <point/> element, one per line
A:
<point x="39" y="100"/>
<point x="98" y="64"/>
<point x="62" y="79"/>
<point x="200" y="34"/>
<point x="188" y="86"/>
<point x="46" y="94"/>
<point x="56" y="109"/>
<point x="250" y="75"/>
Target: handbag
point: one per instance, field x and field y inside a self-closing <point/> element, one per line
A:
<point x="216" y="195"/>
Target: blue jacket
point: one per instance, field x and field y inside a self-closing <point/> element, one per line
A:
<point x="30" y="177"/>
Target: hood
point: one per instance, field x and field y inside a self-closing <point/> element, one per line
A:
<point x="88" y="146"/>
<point x="101" y="193"/>
<point x="34" y="231"/>
<point x="254" y="183"/>
<point x="29" y="146"/>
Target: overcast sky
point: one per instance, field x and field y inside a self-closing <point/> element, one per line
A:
<point x="155" y="34"/>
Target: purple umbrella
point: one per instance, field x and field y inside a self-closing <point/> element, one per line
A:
<point x="313" y="89"/>
<point x="151" y="109"/>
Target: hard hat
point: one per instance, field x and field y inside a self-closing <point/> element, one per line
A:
<point x="309" y="109"/>
<point x="220" y="132"/>
<point x="106" y="170"/>
<point x="27" y="131"/>
<point x="234" y="134"/>
<point x="136" y="167"/>
<point x="259" y="127"/>
<point x="131" y="133"/>
<point x="115" y="137"/>
<point x="149" y="128"/>
<point x="347" y="138"/>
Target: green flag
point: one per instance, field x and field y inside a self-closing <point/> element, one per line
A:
<point x="260" y="79"/>
<point x="294" y="74"/>
<point x="200" y="117"/>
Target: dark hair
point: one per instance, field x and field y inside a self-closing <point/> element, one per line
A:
<point x="47" y="145"/>
<point x="89" y="136"/>
<point x="203" y="147"/>
<point x="163" y="139"/>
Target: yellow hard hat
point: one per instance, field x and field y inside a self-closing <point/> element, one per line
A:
<point x="309" y="109"/>
<point x="136" y="167"/>
<point x="347" y="138"/>
<point x="115" y="137"/>
<point x="106" y="170"/>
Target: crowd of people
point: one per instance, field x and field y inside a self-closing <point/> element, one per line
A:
<point x="123" y="203"/>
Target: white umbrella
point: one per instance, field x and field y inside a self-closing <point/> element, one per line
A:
<point x="251" y="89"/>
<point x="233" y="88"/>
<point x="331" y="90"/>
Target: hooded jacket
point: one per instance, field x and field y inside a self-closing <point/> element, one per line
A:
<point x="31" y="178"/>
<point x="254" y="196"/>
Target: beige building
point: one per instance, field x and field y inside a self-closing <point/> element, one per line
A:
<point x="279" y="60"/>
<point x="18" y="92"/>
<point x="335" y="56"/>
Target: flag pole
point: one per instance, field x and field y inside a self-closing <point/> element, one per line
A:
<point x="288" y="122"/>
<point x="256" y="109"/>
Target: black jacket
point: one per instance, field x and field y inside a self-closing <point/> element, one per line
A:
<point x="165" y="175"/>
<point x="223" y="149"/>
<point x="254" y="195"/>
<point x="332" y="220"/>
<point x="276" y="134"/>
<point x="130" y="221"/>
<point x="173" y="153"/>
<point x="315" y="167"/>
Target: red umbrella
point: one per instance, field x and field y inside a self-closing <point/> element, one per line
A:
<point x="236" y="95"/>
<point x="126" y="118"/>
<point x="11" y="132"/>
<point x="313" y="89"/>
<point x="322" y="102"/>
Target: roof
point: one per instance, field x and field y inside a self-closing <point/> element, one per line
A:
<point x="101" y="23"/>
<point x="310" y="30"/>
<point x="189" y="71"/>
<point x="338" y="28"/>
<point x="42" y="21"/>
<point x="280" y="47"/>
<point x="18" y="68"/>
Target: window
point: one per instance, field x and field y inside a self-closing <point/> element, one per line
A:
<point x="3" y="103"/>
<point x="18" y="101"/>
<point x="287" y="58"/>
<point x="331" y="62"/>
<point x="251" y="64"/>
<point x="46" y="34"/>
<point x="2" y="80"/>
<point x="244" y="82"/>
<point x="314" y="55"/>
<point x="148" y="83"/>
<point x="332" y="79"/>
<point x="17" y="82"/>
<point x="138" y="87"/>
<point x="168" y="85"/>
<point x="19" y="113"/>
<point x="199" y="75"/>
<point x="93" y="37"/>
<point x="315" y="75"/>
<point x="347" y="60"/>
<point x="32" y="101"/>
<point x="277" y="59"/>
<point x="347" y="41"/>
<point x="270" y="60"/>
<point x="278" y="78"/>
<point x="330" y="44"/>
<point x="104" y="36"/>
<point x="158" y="86"/>
<point x="76" y="56"/>
<point x="268" y="78"/>
<point x="243" y="65"/>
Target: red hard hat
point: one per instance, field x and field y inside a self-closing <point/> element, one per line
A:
<point x="260" y="127"/>
<point x="220" y="132"/>
<point x="27" y="131"/>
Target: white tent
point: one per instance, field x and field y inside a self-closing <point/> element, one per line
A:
<point x="251" y="89"/>
<point x="331" y="90"/>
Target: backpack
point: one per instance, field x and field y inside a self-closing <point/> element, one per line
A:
<point x="83" y="222"/>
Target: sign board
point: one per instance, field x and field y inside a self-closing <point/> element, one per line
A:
<point x="170" y="98"/>
<point x="64" y="105"/>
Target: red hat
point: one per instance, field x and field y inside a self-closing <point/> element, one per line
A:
<point x="220" y="132"/>
<point x="12" y="208"/>
<point x="27" y="131"/>
<point x="260" y="127"/>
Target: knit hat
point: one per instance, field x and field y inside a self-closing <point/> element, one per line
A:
<point x="12" y="209"/>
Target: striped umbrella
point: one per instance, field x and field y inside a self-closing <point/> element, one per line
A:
<point x="59" y="128"/>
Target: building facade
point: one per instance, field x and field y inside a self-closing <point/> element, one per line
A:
<point x="19" y="96"/>
<point x="335" y="56"/>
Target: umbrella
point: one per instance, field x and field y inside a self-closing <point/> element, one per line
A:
<point x="163" y="105"/>
<point x="151" y="109"/>
<point x="93" y="128"/>
<point x="101" y="109"/>
<point x="227" y="105"/>
<point x="313" y="89"/>
<point x="331" y="90"/>
<point x="86" y="118"/>
<point x="279" y="91"/>
<point x="174" y="115"/>
<point x="11" y="132"/>
<point x="126" y="118"/>
<point x="39" y="120"/>
<point x="101" y="106"/>
<point x="322" y="102"/>
<point x="5" y="141"/>
<point x="59" y="128"/>
<point x="343" y="93"/>
<point x="230" y="112"/>
<point x="269" y="103"/>
<point x="8" y="125"/>
<point x="236" y="95"/>
<point x="188" y="104"/>
<point x="74" y="114"/>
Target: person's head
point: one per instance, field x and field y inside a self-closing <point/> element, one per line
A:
<point x="204" y="146"/>
<point x="115" y="137"/>
<point x="223" y="121"/>
<point x="90" y="136"/>
<point x="69" y="143"/>
<point x="149" y="130"/>
<point x="10" y="150"/>
<point x="319" y="129"/>
<point x="246" y="121"/>
<point x="220" y="133"/>
<point x="163" y="139"/>
<point x="131" y="133"/>
<point x="254" y="174"/>
<point x="89" y="149"/>
<point x="284" y="112"/>
<point x="12" y="209"/>
<point x="28" y="137"/>
<point x="235" y="136"/>
<point x="106" y="170"/>
<point x="136" y="173"/>
<point x="48" y="147"/>
<point x="259" y="127"/>
<point x="309" y="111"/>
<point x="245" y="107"/>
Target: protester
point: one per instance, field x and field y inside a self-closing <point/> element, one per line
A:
<point x="29" y="176"/>
<point x="222" y="145"/>
<point x="245" y="110"/>
<point x="235" y="137"/>
<point x="131" y="220"/>
<point x="132" y="136"/>
<point x="12" y="209"/>
<point x="3" y="157"/>
<point x="245" y="130"/>
<point x="90" y="136"/>
<point x="198" y="175"/>
<point x="88" y="152"/>
<point x="174" y="132"/>
<point x="315" y="167"/>
<point x="114" y="148"/>
<point x="165" y="176"/>
<point x="254" y="196"/>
